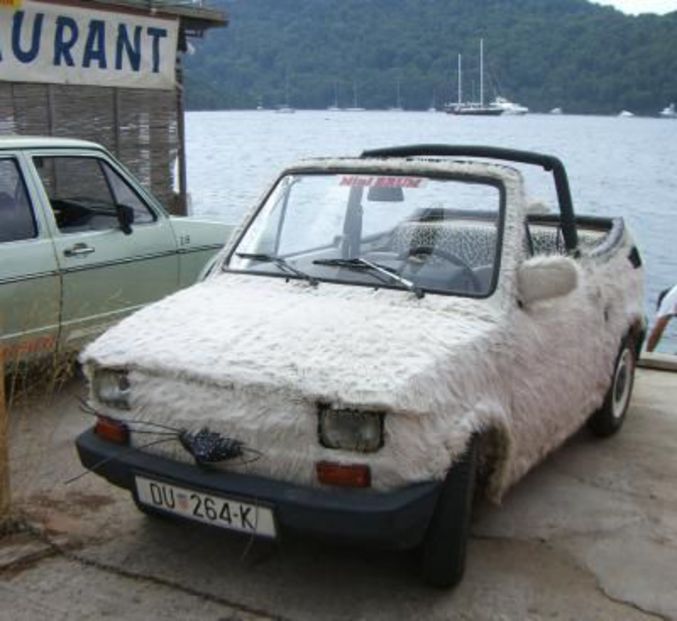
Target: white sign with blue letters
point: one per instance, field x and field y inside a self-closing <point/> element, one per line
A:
<point x="50" y="42"/>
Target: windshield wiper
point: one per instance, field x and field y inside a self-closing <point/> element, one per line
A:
<point x="280" y="262"/>
<point x="360" y="263"/>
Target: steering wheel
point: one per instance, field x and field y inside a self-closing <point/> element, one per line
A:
<point x="452" y="258"/>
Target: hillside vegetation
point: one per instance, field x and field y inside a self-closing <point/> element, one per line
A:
<point x="543" y="53"/>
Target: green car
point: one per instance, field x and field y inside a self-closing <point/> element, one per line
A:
<point x="82" y="244"/>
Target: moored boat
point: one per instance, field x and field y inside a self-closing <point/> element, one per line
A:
<point x="472" y="108"/>
<point x="669" y="112"/>
<point x="509" y="107"/>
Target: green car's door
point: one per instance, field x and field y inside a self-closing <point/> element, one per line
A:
<point x="106" y="273"/>
<point x="29" y="279"/>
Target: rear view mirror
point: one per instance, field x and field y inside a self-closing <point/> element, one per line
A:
<point x="378" y="194"/>
<point x="125" y="216"/>
<point x="543" y="278"/>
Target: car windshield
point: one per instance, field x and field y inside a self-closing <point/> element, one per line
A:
<point x="417" y="233"/>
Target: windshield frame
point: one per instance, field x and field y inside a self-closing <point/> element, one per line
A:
<point x="478" y="178"/>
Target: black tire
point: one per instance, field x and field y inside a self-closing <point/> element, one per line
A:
<point x="444" y="545"/>
<point x="609" y="418"/>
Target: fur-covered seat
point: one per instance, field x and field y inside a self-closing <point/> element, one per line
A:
<point x="472" y="242"/>
<point x="549" y="240"/>
<point x="475" y="243"/>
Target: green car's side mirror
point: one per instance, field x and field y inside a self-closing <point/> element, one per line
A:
<point x="125" y="216"/>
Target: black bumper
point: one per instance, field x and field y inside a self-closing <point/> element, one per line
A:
<point x="393" y="519"/>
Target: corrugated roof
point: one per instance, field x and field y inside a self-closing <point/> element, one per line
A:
<point x="195" y="13"/>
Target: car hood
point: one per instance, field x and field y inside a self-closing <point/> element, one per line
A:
<point x="342" y="344"/>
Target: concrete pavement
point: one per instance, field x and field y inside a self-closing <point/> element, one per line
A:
<point x="589" y="534"/>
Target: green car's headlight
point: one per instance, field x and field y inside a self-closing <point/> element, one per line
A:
<point x="351" y="430"/>
<point x="112" y="387"/>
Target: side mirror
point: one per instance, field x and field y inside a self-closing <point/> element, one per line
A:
<point x="543" y="278"/>
<point x="125" y="216"/>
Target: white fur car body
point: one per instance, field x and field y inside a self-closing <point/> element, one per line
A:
<point x="520" y="360"/>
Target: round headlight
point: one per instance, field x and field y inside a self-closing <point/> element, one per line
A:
<point x="351" y="430"/>
<point x="112" y="387"/>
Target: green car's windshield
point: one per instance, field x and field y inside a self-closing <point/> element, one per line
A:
<point x="417" y="233"/>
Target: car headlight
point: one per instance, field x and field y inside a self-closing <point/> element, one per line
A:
<point x="351" y="430"/>
<point x="112" y="387"/>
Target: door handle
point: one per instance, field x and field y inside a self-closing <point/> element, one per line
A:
<point x="79" y="250"/>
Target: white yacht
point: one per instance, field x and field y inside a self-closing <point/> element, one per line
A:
<point x="670" y="112"/>
<point x="625" y="114"/>
<point x="556" y="111"/>
<point x="508" y="107"/>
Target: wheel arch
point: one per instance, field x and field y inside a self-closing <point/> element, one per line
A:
<point x="493" y="457"/>
<point x="637" y="332"/>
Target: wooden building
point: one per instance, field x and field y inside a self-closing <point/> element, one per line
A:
<point x="107" y="71"/>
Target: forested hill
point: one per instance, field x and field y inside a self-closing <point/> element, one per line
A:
<point x="543" y="53"/>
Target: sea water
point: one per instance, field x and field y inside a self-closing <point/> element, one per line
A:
<point x="617" y="166"/>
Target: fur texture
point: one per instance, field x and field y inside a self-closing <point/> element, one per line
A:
<point x="252" y="357"/>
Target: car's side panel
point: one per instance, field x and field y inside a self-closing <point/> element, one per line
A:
<point x="30" y="289"/>
<point x="105" y="273"/>
<point x="563" y="352"/>
<point x="198" y="242"/>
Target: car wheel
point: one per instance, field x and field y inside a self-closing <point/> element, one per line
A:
<point x="609" y="418"/>
<point x="443" y="548"/>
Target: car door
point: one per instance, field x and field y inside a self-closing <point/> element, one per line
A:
<point x="30" y="287"/>
<point x="105" y="273"/>
<point x="556" y="349"/>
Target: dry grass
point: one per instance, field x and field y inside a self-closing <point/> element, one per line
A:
<point x="26" y="384"/>
<point x="4" y="450"/>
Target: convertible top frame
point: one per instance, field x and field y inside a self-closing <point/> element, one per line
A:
<point x="548" y="162"/>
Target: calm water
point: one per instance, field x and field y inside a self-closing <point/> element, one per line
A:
<point x="617" y="167"/>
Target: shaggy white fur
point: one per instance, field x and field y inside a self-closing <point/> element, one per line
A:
<point x="252" y="357"/>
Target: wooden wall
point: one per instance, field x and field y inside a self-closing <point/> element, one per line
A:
<point x="141" y="127"/>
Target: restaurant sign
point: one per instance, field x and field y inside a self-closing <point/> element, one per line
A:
<point x="50" y="42"/>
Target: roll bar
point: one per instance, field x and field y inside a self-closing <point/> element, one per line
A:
<point x="547" y="162"/>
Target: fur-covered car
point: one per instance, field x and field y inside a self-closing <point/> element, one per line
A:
<point x="380" y="333"/>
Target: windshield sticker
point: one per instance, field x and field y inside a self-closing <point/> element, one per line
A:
<point x="361" y="181"/>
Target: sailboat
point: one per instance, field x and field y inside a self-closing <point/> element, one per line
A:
<point x="433" y="103"/>
<point x="335" y="107"/>
<point x="285" y="108"/>
<point x="472" y="108"/>
<point x="398" y="101"/>
<point x="355" y="107"/>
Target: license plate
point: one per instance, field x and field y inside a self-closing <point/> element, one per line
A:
<point x="206" y="508"/>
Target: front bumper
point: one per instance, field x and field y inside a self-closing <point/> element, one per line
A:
<point x="395" y="519"/>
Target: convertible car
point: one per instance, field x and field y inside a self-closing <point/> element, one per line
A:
<point x="381" y="333"/>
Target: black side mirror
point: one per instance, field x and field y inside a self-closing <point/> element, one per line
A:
<point x="125" y="216"/>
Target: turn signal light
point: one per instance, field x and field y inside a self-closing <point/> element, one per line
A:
<point x="342" y="475"/>
<point x="111" y="430"/>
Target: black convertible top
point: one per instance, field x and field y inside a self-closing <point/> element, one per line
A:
<point x="547" y="162"/>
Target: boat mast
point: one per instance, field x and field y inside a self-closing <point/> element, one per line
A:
<point x="482" y="72"/>
<point x="460" y="79"/>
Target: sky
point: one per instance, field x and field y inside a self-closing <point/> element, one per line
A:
<point x="642" y="6"/>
